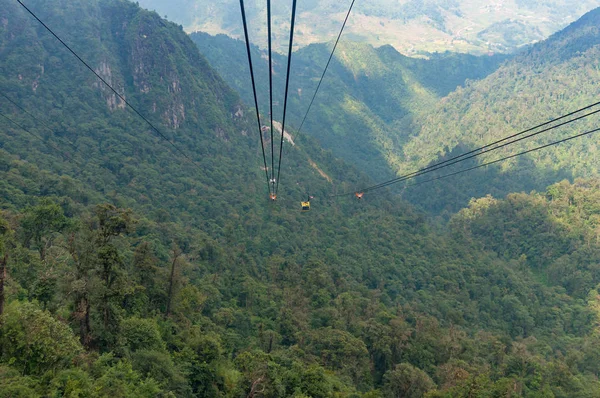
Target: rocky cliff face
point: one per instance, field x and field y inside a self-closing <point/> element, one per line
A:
<point x="139" y="54"/>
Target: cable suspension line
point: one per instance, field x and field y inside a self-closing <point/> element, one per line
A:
<point x="262" y="143"/>
<point x="45" y="124"/>
<point x="463" y="156"/>
<point x="47" y="143"/>
<point x="484" y="149"/>
<point x="326" y="67"/>
<point x="152" y="126"/>
<point x="49" y="129"/>
<point x="507" y="157"/>
<point x="287" y="84"/>
<point x="271" y="95"/>
<point x="432" y="169"/>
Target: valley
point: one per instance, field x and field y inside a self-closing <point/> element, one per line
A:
<point x="143" y="258"/>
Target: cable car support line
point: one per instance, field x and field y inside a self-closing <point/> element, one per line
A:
<point x="484" y="149"/>
<point x="462" y="159"/>
<point x="465" y="156"/>
<point x="51" y="130"/>
<point x="271" y="99"/>
<point x="508" y="157"/>
<point x="47" y="143"/>
<point x="47" y="126"/>
<point x="262" y="143"/>
<point x="326" y="67"/>
<point x="474" y="155"/>
<point x="287" y="84"/>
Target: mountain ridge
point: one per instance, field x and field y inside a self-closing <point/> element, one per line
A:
<point x="411" y="26"/>
<point x="551" y="79"/>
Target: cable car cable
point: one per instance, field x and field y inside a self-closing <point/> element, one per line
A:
<point x="262" y="143"/>
<point x="507" y="157"/>
<point x="434" y="168"/>
<point x="271" y="95"/>
<point x="473" y="153"/>
<point x="414" y="175"/>
<point x="326" y="67"/>
<point x="499" y="141"/>
<point x="45" y="124"/>
<point x="47" y="143"/>
<point x="287" y="84"/>
<point x="164" y="137"/>
<point x="53" y="135"/>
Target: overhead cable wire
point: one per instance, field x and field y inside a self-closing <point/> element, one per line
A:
<point x="262" y="143"/>
<point x="48" y="128"/>
<point x="484" y="149"/>
<point x="507" y="157"/>
<point x="51" y="145"/>
<point x="401" y="178"/>
<point x="271" y="94"/>
<point x="52" y="132"/>
<point x="326" y="67"/>
<point x="287" y="84"/>
<point x="152" y="126"/>
<point x="42" y="122"/>
<point x="474" y="155"/>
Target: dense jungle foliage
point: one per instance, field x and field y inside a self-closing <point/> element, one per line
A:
<point x="127" y="271"/>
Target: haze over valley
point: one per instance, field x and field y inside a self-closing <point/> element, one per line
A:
<point x="410" y="26"/>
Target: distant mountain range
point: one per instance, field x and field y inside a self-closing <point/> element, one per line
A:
<point x="411" y="26"/>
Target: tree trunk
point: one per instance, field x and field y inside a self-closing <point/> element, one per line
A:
<point x="3" y="263"/>
<point x="83" y="313"/>
<point x="254" y="389"/>
<point x="176" y="254"/>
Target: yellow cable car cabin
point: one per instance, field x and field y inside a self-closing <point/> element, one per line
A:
<point x="305" y="206"/>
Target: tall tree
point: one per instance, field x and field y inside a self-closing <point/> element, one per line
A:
<point x="4" y="229"/>
<point x="40" y="224"/>
<point x="176" y="254"/>
<point x="109" y="223"/>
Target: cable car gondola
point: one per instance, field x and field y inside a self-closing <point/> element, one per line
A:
<point x="359" y="195"/>
<point x="306" y="205"/>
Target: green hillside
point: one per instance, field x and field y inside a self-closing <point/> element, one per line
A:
<point x="132" y="273"/>
<point x="366" y="105"/>
<point x="551" y="79"/>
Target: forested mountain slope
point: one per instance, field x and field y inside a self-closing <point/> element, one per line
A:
<point x="203" y="288"/>
<point x="368" y="100"/>
<point x="179" y="92"/>
<point x="551" y="79"/>
<point x="411" y="26"/>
